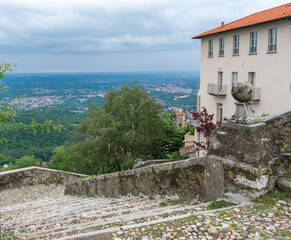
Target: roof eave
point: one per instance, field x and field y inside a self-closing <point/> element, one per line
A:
<point x="201" y="36"/>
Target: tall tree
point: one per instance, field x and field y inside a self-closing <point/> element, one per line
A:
<point x="127" y="127"/>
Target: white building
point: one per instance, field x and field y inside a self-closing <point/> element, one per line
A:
<point x="257" y="49"/>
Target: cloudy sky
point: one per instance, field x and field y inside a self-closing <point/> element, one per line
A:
<point x="112" y="35"/>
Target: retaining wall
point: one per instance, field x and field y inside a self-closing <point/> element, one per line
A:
<point x="35" y="175"/>
<point x="194" y="178"/>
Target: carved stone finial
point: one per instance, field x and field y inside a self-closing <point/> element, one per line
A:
<point x="244" y="114"/>
<point x="242" y="92"/>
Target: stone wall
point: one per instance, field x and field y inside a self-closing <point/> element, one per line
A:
<point x="35" y="175"/>
<point x="253" y="156"/>
<point x="242" y="159"/>
<point x="193" y="178"/>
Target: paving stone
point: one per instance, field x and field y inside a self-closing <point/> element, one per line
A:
<point x="58" y="216"/>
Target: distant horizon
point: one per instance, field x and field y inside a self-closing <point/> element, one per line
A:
<point x="134" y="71"/>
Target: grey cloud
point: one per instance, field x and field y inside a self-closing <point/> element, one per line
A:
<point x="99" y="27"/>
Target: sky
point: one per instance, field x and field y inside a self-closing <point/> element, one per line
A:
<point x="112" y="35"/>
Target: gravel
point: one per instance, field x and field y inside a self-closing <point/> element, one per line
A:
<point x="30" y="193"/>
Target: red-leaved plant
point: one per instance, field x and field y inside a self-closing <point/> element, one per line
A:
<point x="206" y="127"/>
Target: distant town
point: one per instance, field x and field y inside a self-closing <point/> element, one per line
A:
<point x="171" y="96"/>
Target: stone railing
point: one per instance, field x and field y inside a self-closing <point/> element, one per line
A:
<point x="35" y="175"/>
<point x="194" y="178"/>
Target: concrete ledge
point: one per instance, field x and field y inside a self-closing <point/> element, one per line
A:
<point x="35" y="175"/>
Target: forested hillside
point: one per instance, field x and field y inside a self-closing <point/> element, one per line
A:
<point x="25" y="142"/>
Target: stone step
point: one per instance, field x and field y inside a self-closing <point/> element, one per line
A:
<point x="72" y="217"/>
<point x="124" y="219"/>
<point x="113" y="207"/>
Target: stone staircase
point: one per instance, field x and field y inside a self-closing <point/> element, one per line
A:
<point x="72" y="217"/>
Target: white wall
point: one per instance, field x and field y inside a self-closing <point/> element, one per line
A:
<point x="273" y="70"/>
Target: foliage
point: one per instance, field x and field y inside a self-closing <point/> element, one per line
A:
<point x="42" y="145"/>
<point x="273" y="197"/>
<point x="191" y="130"/>
<point x="263" y="115"/>
<point x="127" y="127"/>
<point x="173" y="140"/>
<point x="25" y="161"/>
<point x="219" y="204"/>
<point x="175" y="155"/>
<point x="8" y="114"/>
<point x="206" y="127"/>
<point x="9" y="235"/>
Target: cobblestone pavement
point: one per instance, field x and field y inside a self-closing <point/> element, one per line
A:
<point x="55" y="216"/>
<point x="27" y="194"/>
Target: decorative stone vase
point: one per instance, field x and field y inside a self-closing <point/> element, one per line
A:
<point x="244" y="114"/>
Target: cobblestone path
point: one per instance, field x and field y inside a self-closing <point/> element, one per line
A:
<point x="71" y="217"/>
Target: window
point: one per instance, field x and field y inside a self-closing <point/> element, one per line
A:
<point x="221" y="46"/>
<point x="253" y="42"/>
<point x="210" y="48"/>
<point x="252" y="78"/>
<point x="273" y="40"/>
<point x="235" y="44"/>
<point x="220" y="76"/>
<point x="219" y="112"/>
<point x="234" y="78"/>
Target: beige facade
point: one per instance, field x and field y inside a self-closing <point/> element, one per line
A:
<point x="270" y="71"/>
<point x="189" y="140"/>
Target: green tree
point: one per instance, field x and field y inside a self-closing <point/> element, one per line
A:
<point x="174" y="137"/>
<point x="25" y="161"/>
<point x="127" y="127"/>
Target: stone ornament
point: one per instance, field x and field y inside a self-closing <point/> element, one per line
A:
<point x="244" y="114"/>
<point x="242" y="92"/>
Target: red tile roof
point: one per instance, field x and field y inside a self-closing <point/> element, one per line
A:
<point x="268" y="15"/>
<point x="186" y="150"/>
<point x="180" y="113"/>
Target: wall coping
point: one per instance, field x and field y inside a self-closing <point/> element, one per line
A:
<point x="270" y="117"/>
<point x="263" y="120"/>
<point x="42" y="169"/>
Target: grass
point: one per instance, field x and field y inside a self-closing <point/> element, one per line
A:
<point x="273" y="197"/>
<point x="284" y="233"/>
<point x="219" y="204"/>
<point x="178" y="201"/>
<point x="9" y="236"/>
<point x="163" y="204"/>
<point x="90" y="196"/>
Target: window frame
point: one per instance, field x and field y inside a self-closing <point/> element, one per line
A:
<point x="253" y="42"/>
<point x="252" y="78"/>
<point x="273" y="40"/>
<point x="210" y="48"/>
<point x="219" y="112"/>
<point x="220" y="80"/>
<point x="235" y="50"/>
<point x="232" y="78"/>
<point x="221" y="47"/>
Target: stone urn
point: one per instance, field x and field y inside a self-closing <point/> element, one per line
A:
<point x="243" y="92"/>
